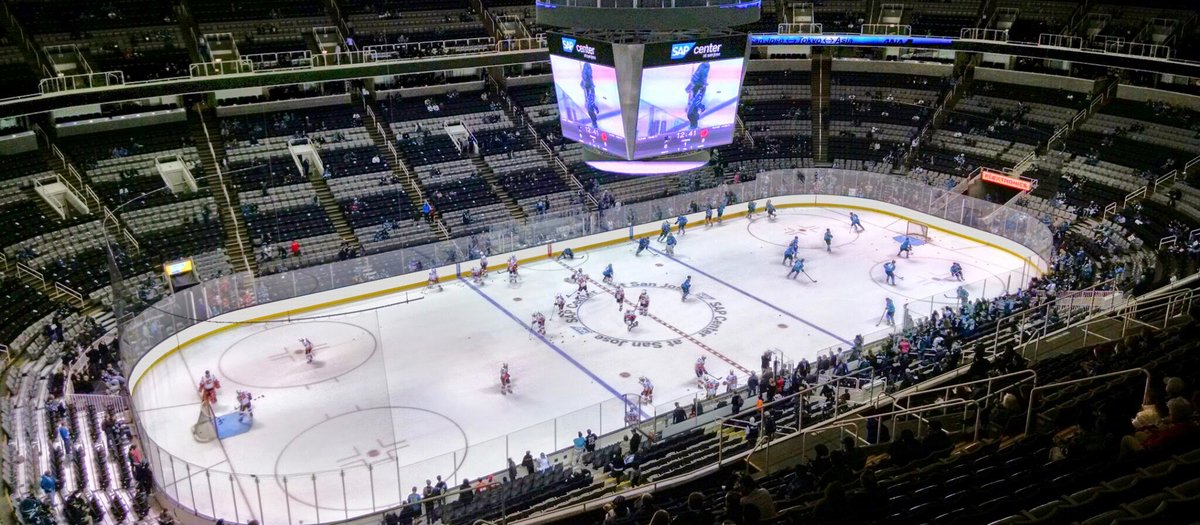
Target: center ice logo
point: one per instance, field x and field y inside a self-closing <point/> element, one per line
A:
<point x="679" y="51"/>
<point x="568" y="45"/>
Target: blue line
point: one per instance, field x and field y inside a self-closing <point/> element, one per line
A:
<point x="752" y="296"/>
<point x="543" y="339"/>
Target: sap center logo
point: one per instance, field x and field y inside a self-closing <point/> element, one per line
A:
<point x="568" y="45"/>
<point x="679" y="51"/>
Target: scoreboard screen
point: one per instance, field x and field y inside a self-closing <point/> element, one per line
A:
<point x="585" y="83"/>
<point x="689" y="95"/>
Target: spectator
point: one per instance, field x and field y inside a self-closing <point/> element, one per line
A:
<point x="591" y="441"/>
<point x="695" y="513"/>
<point x="543" y="462"/>
<point x="49" y="485"/>
<point x="660" y="517"/>
<point x="528" y="463"/>
<point x="644" y="508"/>
<point x="65" y="434"/>
<point x="465" y="494"/>
<point x="757" y="497"/>
<point x="678" y="415"/>
<point x="414" y="499"/>
<point x="295" y="248"/>
<point x="905" y="449"/>
<point x="736" y="403"/>
<point x="635" y="441"/>
<point x="512" y="470"/>
<point x="936" y="440"/>
<point x="580" y="444"/>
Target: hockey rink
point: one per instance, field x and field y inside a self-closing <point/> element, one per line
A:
<point x="405" y="387"/>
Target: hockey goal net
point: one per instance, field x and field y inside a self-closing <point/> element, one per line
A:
<point x="205" y="429"/>
<point x="917" y="231"/>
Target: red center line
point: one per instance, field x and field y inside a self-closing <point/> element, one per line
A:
<point x="695" y="341"/>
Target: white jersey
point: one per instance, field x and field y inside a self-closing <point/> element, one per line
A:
<point x="433" y="276"/>
<point x="619" y="293"/>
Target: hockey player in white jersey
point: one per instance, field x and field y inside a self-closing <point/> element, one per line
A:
<point x="730" y="382"/>
<point x="433" y="279"/>
<point x="245" y="398"/>
<point x="539" y="323"/>
<point x="647" y="390"/>
<point x="619" y="294"/>
<point x="644" y="303"/>
<point x="583" y="289"/>
<point x="308" y="349"/>
<point x="559" y="303"/>
<point x="630" y="319"/>
<point x="512" y="269"/>
<point x="700" y="368"/>
<point x="505" y="380"/>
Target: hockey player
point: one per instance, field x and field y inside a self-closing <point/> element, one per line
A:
<point x="795" y="244"/>
<point x="608" y="274"/>
<point x="567" y="253"/>
<point x="582" y="281"/>
<point x="512" y="269"/>
<point x="539" y="323"/>
<point x="643" y="243"/>
<point x="630" y="319"/>
<point x="828" y="241"/>
<point x="905" y="248"/>
<point x="483" y="266"/>
<point x="708" y="215"/>
<point x="671" y="242"/>
<point x="730" y="382"/>
<point x="964" y="297"/>
<point x="505" y="380"/>
<point x="889" y="270"/>
<point x="855" y="223"/>
<point x="721" y="212"/>
<point x="789" y="255"/>
<point x="209" y="384"/>
<point x="889" y="311"/>
<point x="433" y="279"/>
<point x="647" y="390"/>
<point x="559" y="303"/>
<point x="245" y="398"/>
<point x="664" y="231"/>
<point x="956" y="271"/>
<point x="681" y="222"/>
<point x="686" y="288"/>
<point x="700" y="368"/>
<point x="750" y="206"/>
<point x="308" y="349"/>
<point x="797" y="268"/>
<point x="770" y="210"/>
<point x="710" y="387"/>
<point x="644" y="303"/>
<point x="619" y="294"/>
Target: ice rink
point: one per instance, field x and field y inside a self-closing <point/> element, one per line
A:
<point x="406" y="387"/>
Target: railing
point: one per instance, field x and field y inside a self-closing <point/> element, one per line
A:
<point x="979" y="33"/>
<point x="408" y="50"/>
<point x="801" y="28"/>
<point x="521" y="44"/>
<point x="68" y="291"/>
<point x="886" y="29"/>
<point x="34" y="274"/>
<point x="163" y="323"/>
<point x="62" y="83"/>
<point x="221" y="67"/>
<point x="1057" y="40"/>
<point x="1039" y="389"/>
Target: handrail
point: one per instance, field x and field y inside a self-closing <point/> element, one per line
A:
<point x="28" y="270"/>
<point x="237" y="229"/>
<point x="560" y="165"/>
<point x="62" y="288"/>
<point x="1035" y="390"/>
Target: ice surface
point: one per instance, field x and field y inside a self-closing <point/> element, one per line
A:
<point x="412" y="390"/>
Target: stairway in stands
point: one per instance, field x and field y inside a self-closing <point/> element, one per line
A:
<point x="334" y="210"/>
<point x="517" y="114"/>
<point x="383" y="137"/>
<point x="822" y="69"/>
<point x="238" y="246"/>
<point x="493" y="180"/>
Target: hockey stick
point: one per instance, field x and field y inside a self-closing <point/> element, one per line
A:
<point x="881" y="316"/>
<point x="807" y="275"/>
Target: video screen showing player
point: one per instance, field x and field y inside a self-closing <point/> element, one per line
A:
<point x="589" y="107"/>
<point x="687" y="107"/>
